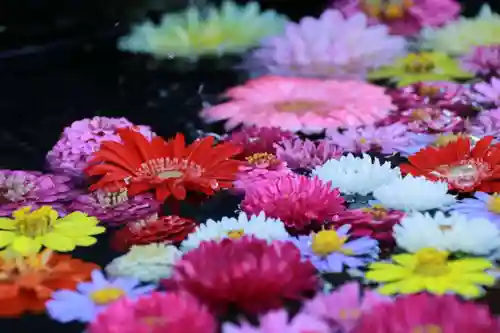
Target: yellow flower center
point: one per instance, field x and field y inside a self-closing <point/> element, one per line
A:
<point x="378" y="212"/>
<point x="35" y="223"/>
<point x="428" y="90"/>
<point x="418" y="63"/>
<point x="387" y="9"/>
<point x="445" y="139"/>
<point x="106" y="295"/>
<point x="363" y="141"/>
<point x="445" y="228"/>
<point x="299" y="106"/>
<point x="349" y="314"/>
<point x="235" y="234"/>
<point x="328" y="241"/>
<point x="431" y="262"/>
<point x="494" y="204"/>
<point x="259" y="158"/>
<point x="111" y="199"/>
<point x="427" y="329"/>
<point x="170" y="174"/>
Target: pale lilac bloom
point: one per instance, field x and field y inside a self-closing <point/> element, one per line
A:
<point x="482" y="206"/>
<point x="306" y="154"/>
<point x="486" y="123"/>
<point x="483" y="60"/>
<point x="418" y="142"/>
<point x="488" y="92"/>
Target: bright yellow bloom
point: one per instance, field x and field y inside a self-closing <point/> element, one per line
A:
<point x="421" y="67"/>
<point x="28" y="230"/>
<point x="430" y="270"/>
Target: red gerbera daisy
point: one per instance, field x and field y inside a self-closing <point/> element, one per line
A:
<point x="466" y="169"/>
<point x="168" y="167"/>
<point x="247" y="273"/>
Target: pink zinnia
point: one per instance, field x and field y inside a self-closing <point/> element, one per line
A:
<point x="427" y="313"/>
<point x="404" y="17"/>
<point x="304" y="204"/>
<point x="300" y="104"/>
<point x="306" y="154"/>
<point x="486" y="123"/>
<point x="343" y="307"/>
<point x="247" y="273"/>
<point x="279" y="322"/>
<point x="383" y="139"/>
<point x="483" y="60"/>
<point x="155" y="313"/>
<point x="258" y="169"/>
<point x="488" y="92"/>
<point x="255" y="139"/>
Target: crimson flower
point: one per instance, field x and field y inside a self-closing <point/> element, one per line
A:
<point x="246" y="273"/>
<point x="168" y="167"/>
<point x="464" y="167"/>
<point x="255" y="139"/>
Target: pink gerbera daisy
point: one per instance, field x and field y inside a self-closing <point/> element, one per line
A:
<point x="404" y="17"/>
<point x="255" y="139"/>
<point x="306" y="154"/>
<point x="301" y="104"/>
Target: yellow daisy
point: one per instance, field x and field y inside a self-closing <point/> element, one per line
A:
<point x="27" y="231"/>
<point x="421" y="67"/>
<point x="430" y="270"/>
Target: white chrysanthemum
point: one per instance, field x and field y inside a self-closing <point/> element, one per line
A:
<point x="356" y="175"/>
<point x="146" y="263"/>
<point x="457" y="37"/>
<point x="414" y="194"/>
<point x="232" y="29"/>
<point x="453" y="233"/>
<point x="229" y="227"/>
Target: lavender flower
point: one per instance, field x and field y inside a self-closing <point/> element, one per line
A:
<point x="483" y="60"/>
<point x="486" y="123"/>
<point x="306" y="154"/>
<point x="483" y="205"/>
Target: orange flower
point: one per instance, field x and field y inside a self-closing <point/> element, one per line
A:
<point x="27" y="283"/>
<point x="168" y="167"/>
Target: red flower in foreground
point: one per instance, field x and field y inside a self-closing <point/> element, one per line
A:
<point x="170" y="229"/>
<point x="247" y="273"/>
<point x="466" y="169"/>
<point x="168" y="167"/>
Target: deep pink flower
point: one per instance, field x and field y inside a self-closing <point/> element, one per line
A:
<point x="427" y="313"/>
<point x="404" y="17"/>
<point x="155" y="313"/>
<point x="483" y="60"/>
<point x="247" y="273"/>
<point x="302" y="203"/>
<point x="486" y="123"/>
<point x="306" y="154"/>
<point x="255" y="139"/>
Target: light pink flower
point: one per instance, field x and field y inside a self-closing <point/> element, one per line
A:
<point x="258" y="169"/>
<point x="258" y="139"/>
<point x="301" y="104"/>
<point x="488" y="92"/>
<point x="404" y="17"/>
<point x="483" y="60"/>
<point x="306" y="154"/>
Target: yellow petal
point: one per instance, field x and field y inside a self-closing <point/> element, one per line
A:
<point x="467" y="290"/>
<point x="25" y="245"/>
<point x="58" y="242"/>
<point x="78" y="217"/>
<point x="84" y="241"/>
<point x="406" y="260"/>
<point x="477" y="278"/>
<point x="387" y="275"/>
<point x="7" y="224"/>
<point x="81" y="231"/>
<point x="437" y="286"/>
<point x="6" y="238"/>
<point x="390" y="288"/>
<point x="469" y="265"/>
<point x="412" y="285"/>
<point x="383" y="73"/>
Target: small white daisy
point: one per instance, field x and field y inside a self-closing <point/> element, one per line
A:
<point x="454" y="233"/>
<point x="146" y="263"/>
<point x="356" y="175"/>
<point x="414" y="194"/>
<point x="229" y="227"/>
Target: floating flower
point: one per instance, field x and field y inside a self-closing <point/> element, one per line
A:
<point x="356" y="175"/>
<point x="258" y="169"/>
<point x="91" y="298"/>
<point x="255" y="139"/>
<point x="488" y="92"/>
<point x="319" y="47"/>
<point x="164" y="229"/>
<point x="482" y="206"/>
<point x="116" y="207"/>
<point x="421" y="67"/>
<point x="380" y="139"/>
<point x="306" y="154"/>
<point x="27" y="283"/>
<point x="483" y="60"/>
<point x="330" y="251"/>
<point x="487" y="123"/>
<point x="343" y="307"/>
<point x="463" y="167"/>
<point x="157" y="312"/>
<point x="230" y="29"/>
<point x="170" y="168"/>
<point x="453" y="233"/>
<point x="457" y="37"/>
<point x="302" y="203"/>
<point x="403" y="17"/>
<point x="28" y="230"/>
<point x="431" y="270"/>
<point x="428" y="313"/>
<point x="22" y="188"/>
<point x="279" y="321"/>
<point x="420" y="140"/>
<point x="249" y="273"/>
<point x="414" y="193"/>
<point x="301" y="104"/>
<point x="258" y="226"/>
<point x="82" y="138"/>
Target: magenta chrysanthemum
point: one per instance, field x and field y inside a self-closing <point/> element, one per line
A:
<point x="81" y="139"/>
<point x="404" y="17"/>
<point x="31" y="188"/>
<point x="116" y="208"/>
<point x="306" y="154"/>
<point x="303" y="204"/>
<point x="255" y="139"/>
<point x="155" y="313"/>
<point x="320" y="47"/>
<point x="483" y="60"/>
<point x="486" y="123"/>
<point x="300" y="104"/>
<point x="248" y="273"/>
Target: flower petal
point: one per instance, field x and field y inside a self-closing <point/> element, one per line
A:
<point x="58" y="242"/>
<point x="25" y="245"/>
<point x="6" y="238"/>
<point x="7" y="224"/>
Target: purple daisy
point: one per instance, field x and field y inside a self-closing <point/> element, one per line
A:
<point x="91" y="298"/>
<point x="306" y="154"/>
<point x="488" y="92"/>
<point x="483" y="60"/>
<point x="418" y="142"/>
<point x="486" y="123"/>
<point x="483" y="205"/>
<point x="116" y="208"/>
<point x="32" y="188"/>
<point x="329" y="251"/>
